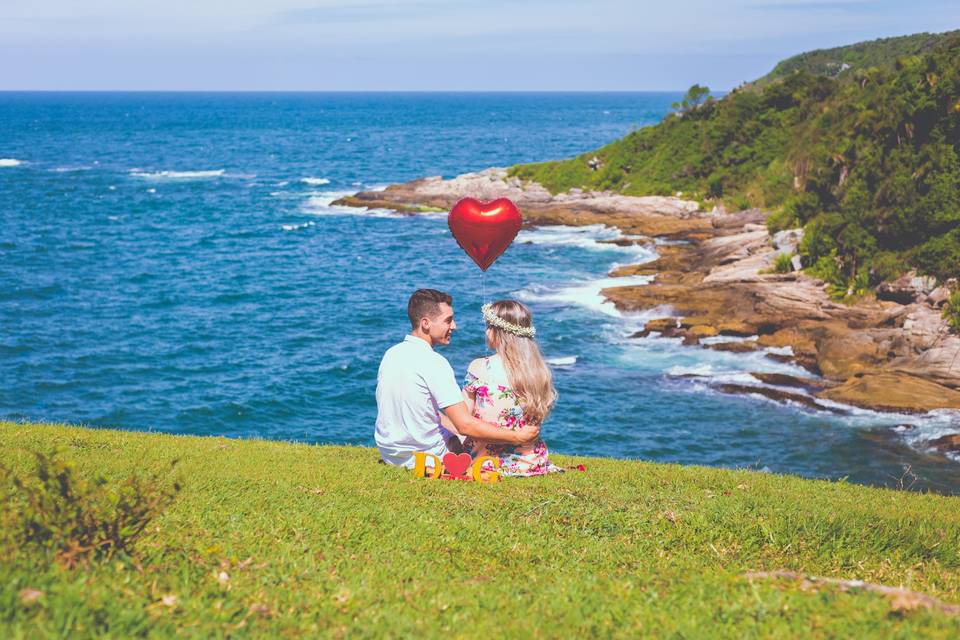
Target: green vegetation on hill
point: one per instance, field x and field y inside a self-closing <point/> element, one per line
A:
<point x="860" y="56"/>
<point x="268" y="539"/>
<point x="869" y="163"/>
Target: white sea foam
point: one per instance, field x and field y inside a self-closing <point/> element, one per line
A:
<point x="591" y="237"/>
<point x="10" y="162"/>
<point x="727" y="339"/>
<point x="564" y="361"/>
<point x="295" y="227"/>
<point x="71" y="169"/>
<point x="314" y="182"/>
<point x="151" y="190"/>
<point x="785" y="350"/>
<point x="584" y="294"/>
<point x="320" y="203"/>
<point x="177" y="175"/>
<point x="705" y="368"/>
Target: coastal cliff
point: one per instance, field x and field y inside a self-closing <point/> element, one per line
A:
<point x="715" y="276"/>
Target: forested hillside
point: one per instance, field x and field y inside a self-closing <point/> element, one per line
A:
<point x="868" y="162"/>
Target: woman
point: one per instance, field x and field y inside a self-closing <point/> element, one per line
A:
<point x="511" y="388"/>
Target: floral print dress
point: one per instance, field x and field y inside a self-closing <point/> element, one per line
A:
<point x="496" y="402"/>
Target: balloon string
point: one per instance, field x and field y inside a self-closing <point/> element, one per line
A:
<point x="483" y="300"/>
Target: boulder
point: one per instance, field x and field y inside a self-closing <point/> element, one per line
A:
<point x="843" y="352"/>
<point x="893" y="392"/>
<point x="738" y="346"/>
<point x="938" y="296"/>
<point x="947" y="444"/>
<point x="784" y="380"/>
<point x="741" y="329"/>
<point x="907" y="288"/>
<point x="664" y="326"/>
<point x="787" y="241"/>
<point x="739" y="219"/>
<point x="702" y="331"/>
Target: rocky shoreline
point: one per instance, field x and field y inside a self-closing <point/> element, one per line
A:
<point x="714" y="277"/>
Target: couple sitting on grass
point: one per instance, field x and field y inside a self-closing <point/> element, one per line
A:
<point x="504" y="400"/>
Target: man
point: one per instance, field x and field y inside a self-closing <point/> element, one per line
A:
<point x="415" y="383"/>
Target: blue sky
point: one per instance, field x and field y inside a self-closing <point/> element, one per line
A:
<point x="430" y="44"/>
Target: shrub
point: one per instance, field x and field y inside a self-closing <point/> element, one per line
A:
<point x="56" y="510"/>
<point x="783" y="263"/>
<point x="951" y="311"/>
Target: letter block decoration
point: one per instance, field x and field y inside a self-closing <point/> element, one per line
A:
<point x="454" y="467"/>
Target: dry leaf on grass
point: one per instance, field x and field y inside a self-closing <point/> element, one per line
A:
<point x="259" y="609"/>
<point x="901" y="600"/>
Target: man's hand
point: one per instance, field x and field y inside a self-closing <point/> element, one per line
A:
<point x="527" y="433"/>
<point x="467" y="425"/>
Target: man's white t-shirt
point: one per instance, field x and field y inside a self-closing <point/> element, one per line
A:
<point x="414" y="383"/>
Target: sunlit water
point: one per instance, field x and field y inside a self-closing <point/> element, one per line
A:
<point x="172" y="262"/>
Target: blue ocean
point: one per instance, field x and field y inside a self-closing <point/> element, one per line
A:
<point x="173" y="262"/>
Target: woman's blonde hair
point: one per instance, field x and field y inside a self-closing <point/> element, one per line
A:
<point x="528" y="374"/>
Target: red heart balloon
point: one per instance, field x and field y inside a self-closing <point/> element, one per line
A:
<point x="484" y="229"/>
<point x="456" y="464"/>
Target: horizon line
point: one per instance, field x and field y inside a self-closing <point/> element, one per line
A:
<point x="421" y="91"/>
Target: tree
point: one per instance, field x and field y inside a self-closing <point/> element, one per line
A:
<point x="694" y="97"/>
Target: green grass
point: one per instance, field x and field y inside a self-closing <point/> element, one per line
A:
<point x="323" y="541"/>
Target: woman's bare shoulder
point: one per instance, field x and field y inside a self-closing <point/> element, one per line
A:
<point x="479" y="364"/>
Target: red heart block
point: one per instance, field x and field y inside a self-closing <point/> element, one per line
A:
<point x="456" y="464"/>
<point x="484" y="230"/>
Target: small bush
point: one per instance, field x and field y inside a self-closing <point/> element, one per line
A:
<point x="781" y="219"/>
<point x="77" y="520"/>
<point x="783" y="263"/>
<point x="951" y="311"/>
<point x="827" y="268"/>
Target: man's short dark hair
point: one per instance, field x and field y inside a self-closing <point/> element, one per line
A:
<point x="425" y="303"/>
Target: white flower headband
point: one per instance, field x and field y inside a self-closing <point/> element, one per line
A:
<point x="496" y="321"/>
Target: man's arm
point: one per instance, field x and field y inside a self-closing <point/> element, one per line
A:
<point x="476" y="428"/>
<point x="447" y="423"/>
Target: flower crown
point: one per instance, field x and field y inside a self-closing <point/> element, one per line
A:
<point x="496" y="321"/>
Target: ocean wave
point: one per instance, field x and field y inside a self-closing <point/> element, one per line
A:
<point x="562" y="361"/>
<point x="177" y="175"/>
<point x="71" y="169"/>
<point x="915" y="431"/>
<point x="585" y="294"/>
<point x="295" y="227"/>
<point x="728" y="339"/>
<point x="314" y="182"/>
<point x="10" y="162"/>
<point x="593" y="237"/>
<point x="320" y="203"/>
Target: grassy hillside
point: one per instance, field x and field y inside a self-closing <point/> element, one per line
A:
<point x="868" y="162"/>
<point x="273" y="539"/>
